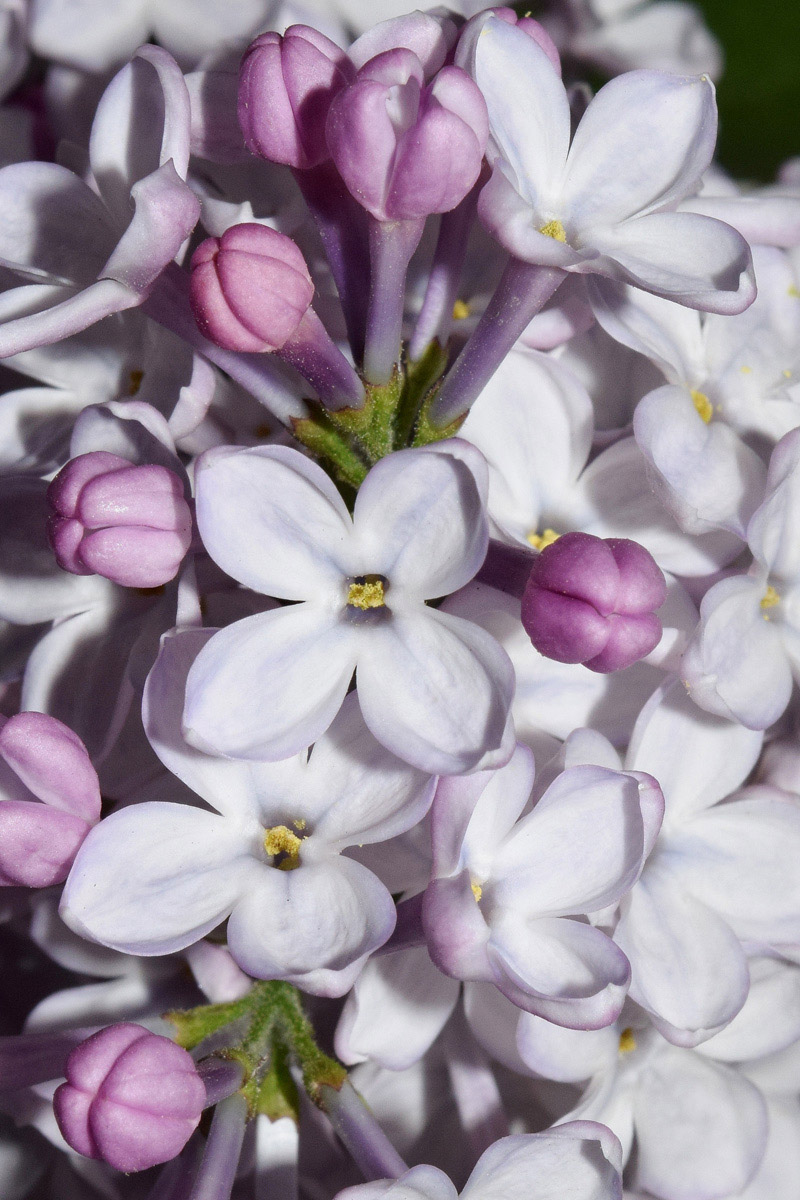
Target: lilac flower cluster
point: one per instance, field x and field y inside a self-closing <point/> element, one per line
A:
<point x="400" y="602"/>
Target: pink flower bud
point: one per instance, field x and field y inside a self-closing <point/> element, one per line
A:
<point x="49" y="799"/>
<point x="132" y="1098"/>
<point x="285" y="89"/>
<point x="130" y="524"/>
<point x="250" y="288"/>
<point x="404" y="149"/>
<point x="591" y="600"/>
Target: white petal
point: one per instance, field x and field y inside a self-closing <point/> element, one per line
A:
<point x="269" y="685"/>
<point x="566" y="1055"/>
<point x="736" y="664"/>
<point x="435" y="690"/>
<point x="716" y="756"/>
<point x="273" y="520"/>
<point x="642" y="144"/>
<point x="770" y="1019"/>
<point x="397" y="1009"/>
<point x="688" y="967"/>
<point x="701" y="1128"/>
<point x="89" y="34"/>
<point x="579" y="1160"/>
<point x="153" y="878"/>
<point x="365" y="794"/>
<point x="313" y="926"/>
<point x="578" y="851"/>
<point x="419" y="519"/>
<point x="772" y="531"/>
<point x="528" y="110"/>
<point x="691" y="259"/>
<point x="670" y="335"/>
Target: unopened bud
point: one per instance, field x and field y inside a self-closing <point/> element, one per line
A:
<point x="132" y="1099"/>
<point x="130" y="524"/>
<point x="592" y="600"/>
<point x="250" y="288"/>
<point x="286" y="86"/>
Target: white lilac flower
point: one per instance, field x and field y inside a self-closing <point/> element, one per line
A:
<point x="604" y="203"/>
<point x="433" y="688"/>
<point x="745" y="654"/>
<point x="512" y="884"/>
<point x="161" y="875"/>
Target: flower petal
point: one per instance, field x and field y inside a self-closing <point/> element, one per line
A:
<point x="436" y="691"/>
<point x="269" y="685"/>
<point x="153" y="878"/>
<point x="579" y="1159"/>
<point x="274" y="521"/>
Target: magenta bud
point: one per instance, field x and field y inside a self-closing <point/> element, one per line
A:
<point x="49" y="799"/>
<point x="592" y="600"/>
<point x="250" y="289"/>
<point x="286" y="85"/>
<point x="406" y="149"/>
<point x="129" y="523"/>
<point x="132" y="1098"/>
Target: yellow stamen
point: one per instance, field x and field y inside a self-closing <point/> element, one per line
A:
<point x="540" y="541"/>
<point x="461" y="310"/>
<point x="787" y="374"/>
<point x="746" y="370"/>
<point x="135" y="382"/>
<point x="554" y="230"/>
<point x="627" y="1041"/>
<point x="477" y="891"/>
<point x="280" y="840"/>
<point x="794" y="292"/>
<point x="703" y="405"/>
<point x="769" y="600"/>
<point x="366" y="592"/>
<point x="299" y="823"/>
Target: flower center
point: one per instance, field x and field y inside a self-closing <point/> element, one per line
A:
<point x="770" y="599"/>
<point x="540" y="541"/>
<point x="627" y="1041"/>
<point x="703" y="405"/>
<point x="283" y="846"/>
<point x="554" y="230"/>
<point x="477" y="892"/>
<point x="366" y="591"/>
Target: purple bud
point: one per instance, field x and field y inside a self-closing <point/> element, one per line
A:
<point x="250" y="288"/>
<point x="129" y="523"/>
<point x="286" y="86"/>
<point x="404" y="149"/>
<point x="132" y="1098"/>
<point x="50" y="799"/>
<point x="592" y="600"/>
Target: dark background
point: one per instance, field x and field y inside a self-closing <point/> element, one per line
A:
<point x="759" y="92"/>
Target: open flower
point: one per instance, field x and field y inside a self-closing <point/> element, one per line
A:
<point x="158" y="876"/>
<point x="434" y="689"/>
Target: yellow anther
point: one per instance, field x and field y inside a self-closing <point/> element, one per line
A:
<point x="554" y="230"/>
<point x="366" y="592"/>
<point x="627" y="1041"/>
<point x="461" y="310"/>
<point x="299" y="823"/>
<point x="794" y="291"/>
<point x="703" y="405"/>
<point x="135" y="382"/>
<point x="769" y="600"/>
<point x="280" y="840"/>
<point x="540" y="541"/>
<point x="787" y="374"/>
<point x="746" y="370"/>
<point x="477" y="891"/>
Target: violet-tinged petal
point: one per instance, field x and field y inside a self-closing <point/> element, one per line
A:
<point x="50" y="315"/>
<point x="630" y="639"/>
<point x="429" y="36"/>
<point x="449" y="718"/>
<point x="419" y="519"/>
<point x="271" y="498"/>
<point x="52" y="761"/>
<point x="559" y="969"/>
<point x="269" y="685"/>
<point x="153" y="878"/>
<point x="580" y="1158"/>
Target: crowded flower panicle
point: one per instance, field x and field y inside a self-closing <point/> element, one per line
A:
<point x="400" y="599"/>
